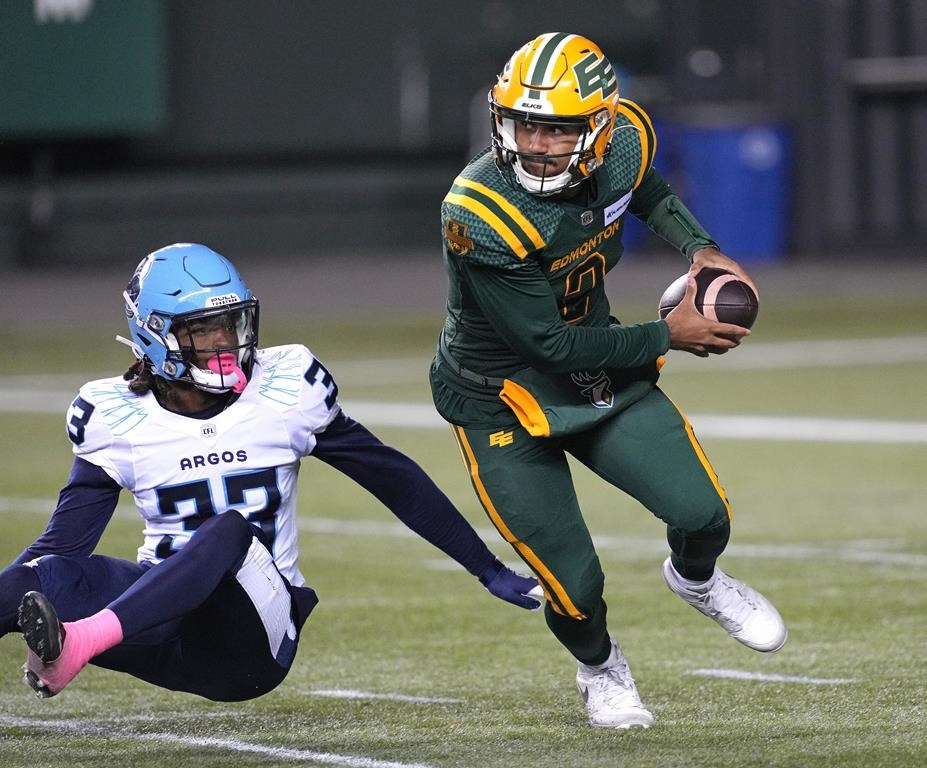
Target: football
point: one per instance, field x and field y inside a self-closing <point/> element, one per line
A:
<point x="719" y="295"/>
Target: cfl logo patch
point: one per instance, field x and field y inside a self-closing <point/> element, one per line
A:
<point x="501" y="438"/>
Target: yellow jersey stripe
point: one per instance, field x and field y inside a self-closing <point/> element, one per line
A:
<point x="641" y="121"/>
<point x="528" y="231"/>
<point x="517" y="216"/>
<point x="705" y="463"/>
<point x="526" y="553"/>
<point x="477" y="208"/>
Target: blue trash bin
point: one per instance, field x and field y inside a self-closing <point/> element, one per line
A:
<point x="735" y="170"/>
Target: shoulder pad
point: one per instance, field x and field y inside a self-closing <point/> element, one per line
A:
<point x="292" y="376"/>
<point x="103" y="410"/>
<point x="634" y="137"/>
<point x="486" y="219"/>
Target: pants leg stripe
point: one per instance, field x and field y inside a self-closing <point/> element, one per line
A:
<point x="560" y="600"/>
<point x="705" y="463"/>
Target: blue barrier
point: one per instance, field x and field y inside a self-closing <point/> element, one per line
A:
<point x="736" y="176"/>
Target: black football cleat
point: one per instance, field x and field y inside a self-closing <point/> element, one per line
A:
<point x="31" y="679"/>
<point x="42" y="631"/>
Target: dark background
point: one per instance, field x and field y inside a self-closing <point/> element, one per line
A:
<point x="293" y="129"/>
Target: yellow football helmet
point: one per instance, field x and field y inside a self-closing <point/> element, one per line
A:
<point x="559" y="79"/>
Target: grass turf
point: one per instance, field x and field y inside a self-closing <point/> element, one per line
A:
<point x="833" y="533"/>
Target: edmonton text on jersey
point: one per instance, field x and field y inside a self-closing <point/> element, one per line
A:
<point x="593" y="242"/>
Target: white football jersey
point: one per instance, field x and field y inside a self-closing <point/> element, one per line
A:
<point x="182" y="471"/>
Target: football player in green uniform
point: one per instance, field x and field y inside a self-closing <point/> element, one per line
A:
<point x="531" y="366"/>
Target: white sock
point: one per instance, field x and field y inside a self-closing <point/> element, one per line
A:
<point x="610" y="661"/>
<point x="688" y="584"/>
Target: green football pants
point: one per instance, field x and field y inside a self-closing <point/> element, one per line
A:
<point x="648" y="451"/>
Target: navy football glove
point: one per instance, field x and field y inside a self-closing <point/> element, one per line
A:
<point x="507" y="585"/>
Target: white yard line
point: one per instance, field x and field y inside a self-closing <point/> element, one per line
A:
<point x="708" y="425"/>
<point x="809" y="429"/>
<point x="51" y="394"/>
<point x="349" y="694"/>
<point x="786" y="355"/>
<point x="866" y="552"/>
<point x="85" y="727"/>
<point x="736" y="674"/>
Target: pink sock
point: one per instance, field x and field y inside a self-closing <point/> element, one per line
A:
<point x="83" y="640"/>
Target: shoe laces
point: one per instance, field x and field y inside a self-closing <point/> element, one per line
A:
<point x="728" y="599"/>
<point x="615" y="683"/>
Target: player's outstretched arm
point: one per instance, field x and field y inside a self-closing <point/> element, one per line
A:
<point x="410" y="494"/>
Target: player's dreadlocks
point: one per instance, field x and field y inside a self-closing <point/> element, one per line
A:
<point x="142" y="380"/>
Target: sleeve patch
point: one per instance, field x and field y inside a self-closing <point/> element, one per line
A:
<point x="515" y="229"/>
<point x="455" y="233"/>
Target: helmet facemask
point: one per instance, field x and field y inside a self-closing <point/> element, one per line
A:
<point x="228" y="367"/>
<point x="585" y="156"/>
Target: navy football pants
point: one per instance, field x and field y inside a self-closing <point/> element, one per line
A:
<point x="215" y="619"/>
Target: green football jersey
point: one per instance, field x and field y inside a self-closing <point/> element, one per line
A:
<point x="526" y="274"/>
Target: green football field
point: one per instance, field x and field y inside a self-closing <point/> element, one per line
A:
<point x="817" y="427"/>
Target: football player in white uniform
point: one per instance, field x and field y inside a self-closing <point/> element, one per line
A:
<point x="206" y="431"/>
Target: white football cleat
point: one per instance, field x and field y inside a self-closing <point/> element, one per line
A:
<point x="610" y="694"/>
<point x="743" y="612"/>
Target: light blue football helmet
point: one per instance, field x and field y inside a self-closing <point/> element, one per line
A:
<point x="186" y="286"/>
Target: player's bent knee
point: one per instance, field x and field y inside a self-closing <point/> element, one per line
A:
<point x="56" y="570"/>
<point x="232" y="528"/>
<point x="577" y="599"/>
<point x="713" y="523"/>
<point x="704" y="544"/>
<point x="693" y="515"/>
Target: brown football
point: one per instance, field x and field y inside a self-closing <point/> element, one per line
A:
<point x="719" y="295"/>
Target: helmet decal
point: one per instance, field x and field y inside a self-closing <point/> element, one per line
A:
<point x="594" y="74"/>
<point x="221" y="301"/>
<point x="135" y="284"/>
